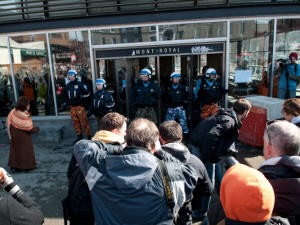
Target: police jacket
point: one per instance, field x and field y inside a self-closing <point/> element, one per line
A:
<point x="102" y="103"/>
<point x="214" y="135"/>
<point x="176" y="95"/>
<point x="145" y="94"/>
<point x="74" y="93"/>
<point x="19" y="210"/>
<point x="127" y="187"/>
<point x="284" y="175"/>
<point x="210" y="91"/>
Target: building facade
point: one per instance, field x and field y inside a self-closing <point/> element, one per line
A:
<point x="41" y="40"/>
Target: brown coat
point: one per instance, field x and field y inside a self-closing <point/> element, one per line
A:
<point x="21" y="149"/>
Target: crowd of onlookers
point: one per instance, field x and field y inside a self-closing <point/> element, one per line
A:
<point x="139" y="172"/>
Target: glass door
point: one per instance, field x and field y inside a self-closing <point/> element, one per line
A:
<point x="121" y="74"/>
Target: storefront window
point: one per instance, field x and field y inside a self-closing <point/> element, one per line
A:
<point x="124" y="35"/>
<point x="70" y="50"/>
<point x="31" y="72"/>
<point x="6" y="84"/>
<point x="192" y="31"/>
<point x="250" y="56"/>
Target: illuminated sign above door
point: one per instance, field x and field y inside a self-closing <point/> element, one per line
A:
<point x="161" y="50"/>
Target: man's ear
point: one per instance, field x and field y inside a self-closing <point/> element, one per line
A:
<point x="116" y="131"/>
<point x="161" y="140"/>
<point x="156" y="147"/>
<point x="268" y="150"/>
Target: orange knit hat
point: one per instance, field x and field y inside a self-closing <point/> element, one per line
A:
<point x="246" y="195"/>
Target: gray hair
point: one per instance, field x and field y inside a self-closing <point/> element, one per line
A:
<point x="284" y="136"/>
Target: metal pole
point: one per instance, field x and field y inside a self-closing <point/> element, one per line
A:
<point x="273" y="59"/>
<point x="92" y="60"/>
<point x="12" y="70"/>
<point x="227" y="60"/>
<point x="51" y="73"/>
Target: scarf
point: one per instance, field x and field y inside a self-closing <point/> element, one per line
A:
<point x="108" y="137"/>
<point x="20" y="120"/>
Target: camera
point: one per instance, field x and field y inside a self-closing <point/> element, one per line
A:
<point x="283" y="62"/>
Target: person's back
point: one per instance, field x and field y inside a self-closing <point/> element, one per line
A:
<point x="282" y="167"/>
<point x="170" y="137"/>
<point x="127" y="187"/>
<point x="214" y="135"/>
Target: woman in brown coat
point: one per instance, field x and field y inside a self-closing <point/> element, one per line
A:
<point x="20" y="128"/>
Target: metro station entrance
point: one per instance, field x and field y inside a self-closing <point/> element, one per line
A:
<point x="120" y="68"/>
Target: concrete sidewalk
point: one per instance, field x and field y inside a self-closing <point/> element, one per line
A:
<point x="47" y="185"/>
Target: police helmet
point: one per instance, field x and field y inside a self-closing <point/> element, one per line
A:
<point x="72" y="73"/>
<point x="210" y="71"/>
<point x="175" y="75"/>
<point x="146" y="72"/>
<point x="101" y="81"/>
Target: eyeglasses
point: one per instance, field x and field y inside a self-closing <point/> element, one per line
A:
<point x="268" y="131"/>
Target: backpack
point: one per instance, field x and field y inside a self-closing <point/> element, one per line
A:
<point x="77" y="205"/>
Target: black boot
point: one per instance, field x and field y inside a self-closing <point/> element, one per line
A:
<point x="79" y="137"/>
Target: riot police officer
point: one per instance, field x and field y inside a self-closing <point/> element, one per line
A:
<point x="176" y="100"/>
<point x="210" y="93"/>
<point x="145" y="96"/>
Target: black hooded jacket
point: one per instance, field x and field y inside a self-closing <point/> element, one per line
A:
<point x="215" y="135"/>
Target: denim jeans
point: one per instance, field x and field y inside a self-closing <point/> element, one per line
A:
<point x="215" y="173"/>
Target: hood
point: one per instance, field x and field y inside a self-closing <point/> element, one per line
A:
<point x="108" y="137"/>
<point x="131" y="170"/>
<point x="291" y="163"/>
<point x="223" y="113"/>
<point x="178" y="150"/>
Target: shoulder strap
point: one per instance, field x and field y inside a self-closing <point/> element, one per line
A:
<point x="167" y="184"/>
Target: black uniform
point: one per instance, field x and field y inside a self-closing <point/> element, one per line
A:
<point x="74" y="93"/>
<point x="102" y="103"/>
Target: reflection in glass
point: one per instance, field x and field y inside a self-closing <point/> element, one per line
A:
<point x="31" y="72"/>
<point x="192" y="31"/>
<point x="70" y="50"/>
<point x="6" y="84"/>
<point x="124" y="35"/>
<point x="251" y="49"/>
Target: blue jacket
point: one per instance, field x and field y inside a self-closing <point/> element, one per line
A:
<point x="292" y="84"/>
<point x="127" y="188"/>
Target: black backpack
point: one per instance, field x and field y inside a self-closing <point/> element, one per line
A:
<point x="77" y="205"/>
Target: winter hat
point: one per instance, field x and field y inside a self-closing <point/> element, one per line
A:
<point x="246" y="195"/>
<point x="293" y="54"/>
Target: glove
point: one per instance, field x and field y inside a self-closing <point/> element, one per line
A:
<point x="5" y="178"/>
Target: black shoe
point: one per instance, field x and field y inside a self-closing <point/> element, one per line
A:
<point x="79" y="137"/>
